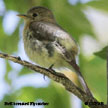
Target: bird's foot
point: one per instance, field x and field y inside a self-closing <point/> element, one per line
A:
<point x="51" y="67"/>
<point x="19" y="58"/>
<point x="56" y="73"/>
<point x="44" y="76"/>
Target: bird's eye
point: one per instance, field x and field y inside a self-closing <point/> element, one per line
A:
<point x="35" y="14"/>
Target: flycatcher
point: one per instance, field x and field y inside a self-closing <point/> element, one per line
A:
<point x="45" y="41"/>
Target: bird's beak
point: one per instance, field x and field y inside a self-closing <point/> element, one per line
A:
<point x="23" y="16"/>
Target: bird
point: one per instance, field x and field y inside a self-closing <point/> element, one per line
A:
<point x="47" y="43"/>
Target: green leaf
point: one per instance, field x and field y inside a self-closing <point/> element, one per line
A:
<point x="8" y="69"/>
<point x="103" y="53"/>
<point x="99" y="4"/>
<point x="94" y="72"/>
<point x="7" y="98"/>
<point x="9" y="44"/>
<point x="53" y="94"/>
<point x="21" y="5"/>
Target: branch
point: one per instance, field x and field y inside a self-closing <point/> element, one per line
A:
<point x="58" y="77"/>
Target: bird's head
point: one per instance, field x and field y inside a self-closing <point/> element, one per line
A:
<point x="38" y="14"/>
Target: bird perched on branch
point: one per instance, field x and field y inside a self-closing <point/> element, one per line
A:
<point x="46" y="43"/>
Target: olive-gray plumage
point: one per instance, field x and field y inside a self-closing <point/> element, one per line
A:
<point x="45" y="42"/>
<point x="39" y="42"/>
<point x="40" y="35"/>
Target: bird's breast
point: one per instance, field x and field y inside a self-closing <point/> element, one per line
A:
<point x="41" y="52"/>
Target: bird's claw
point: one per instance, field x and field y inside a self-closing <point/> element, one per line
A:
<point x="44" y="76"/>
<point x="51" y="67"/>
<point x="18" y="58"/>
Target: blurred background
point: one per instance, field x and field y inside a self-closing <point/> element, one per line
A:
<point x="85" y="20"/>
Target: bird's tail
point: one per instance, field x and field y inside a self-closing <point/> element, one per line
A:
<point x="81" y="78"/>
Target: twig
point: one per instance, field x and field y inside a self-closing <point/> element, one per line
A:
<point x="58" y="77"/>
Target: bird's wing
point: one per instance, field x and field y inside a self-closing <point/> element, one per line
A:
<point x="63" y="42"/>
<point x="45" y="31"/>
